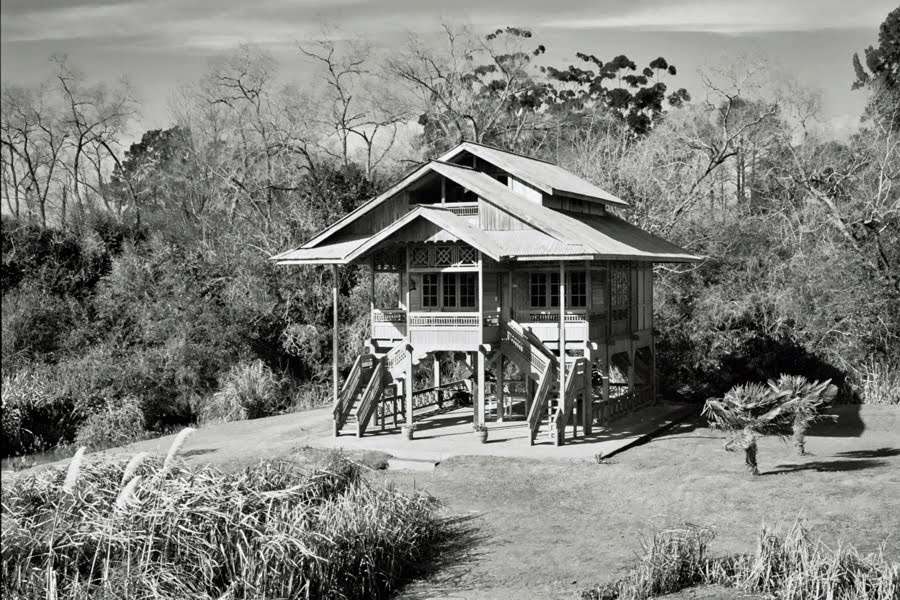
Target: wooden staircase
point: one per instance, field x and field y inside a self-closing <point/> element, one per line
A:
<point x="369" y="378"/>
<point x="533" y="357"/>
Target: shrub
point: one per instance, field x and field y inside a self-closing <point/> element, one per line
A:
<point x="789" y="566"/>
<point x="672" y="560"/>
<point x="880" y="383"/>
<point x="150" y="529"/>
<point x="35" y="418"/>
<point x="247" y="391"/>
<point x="119" y="423"/>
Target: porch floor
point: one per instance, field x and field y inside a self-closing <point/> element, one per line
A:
<point x="440" y="436"/>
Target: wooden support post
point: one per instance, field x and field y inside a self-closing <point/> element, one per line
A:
<point x="501" y="398"/>
<point x="562" y="348"/>
<point x="470" y="386"/>
<point x="408" y="386"/>
<point x="604" y="374"/>
<point x="631" y="387"/>
<point x="436" y="377"/>
<point x="587" y="406"/>
<point x="334" y="334"/>
<point x="480" y="387"/>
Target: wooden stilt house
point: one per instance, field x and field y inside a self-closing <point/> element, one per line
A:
<point x="515" y="264"/>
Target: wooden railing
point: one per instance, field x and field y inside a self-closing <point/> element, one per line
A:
<point x="388" y="315"/>
<point x="370" y="397"/>
<point x="538" y="405"/>
<point x="436" y="319"/>
<point x="396" y="356"/>
<point x="348" y="393"/>
<point x="527" y="346"/>
<point x="388" y="323"/>
<point x="421" y="399"/>
<point x="574" y="385"/>
<point x="553" y="317"/>
<point x="461" y="209"/>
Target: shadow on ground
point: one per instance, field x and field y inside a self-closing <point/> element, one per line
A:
<point x="451" y="559"/>
<point x="826" y="466"/>
<point x="877" y="453"/>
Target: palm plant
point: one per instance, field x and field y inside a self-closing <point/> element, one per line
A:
<point x="746" y="412"/>
<point x="807" y="399"/>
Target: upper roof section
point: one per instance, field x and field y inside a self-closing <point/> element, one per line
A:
<point x="547" y="177"/>
<point x="507" y="206"/>
<point x="529" y="179"/>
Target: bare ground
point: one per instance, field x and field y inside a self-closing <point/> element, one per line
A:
<point x="548" y="528"/>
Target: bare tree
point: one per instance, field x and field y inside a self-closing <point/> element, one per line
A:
<point x="355" y="107"/>
<point x="33" y="137"/>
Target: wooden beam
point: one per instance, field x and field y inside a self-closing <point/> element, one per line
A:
<point x="436" y="375"/>
<point x="408" y="386"/>
<point x="562" y="344"/>
<point x="587" y="397"/>
<point x="480" y="409"/>
<point x="334" y="334"/>
<point x="501" y="399"/>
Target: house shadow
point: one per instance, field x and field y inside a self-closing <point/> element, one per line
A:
<point x="847" y="422"/>
<point x="828" y="466"/>
<point x="877" y="453"/>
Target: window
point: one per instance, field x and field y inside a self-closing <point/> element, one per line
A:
<point x="554" y="290"/>
<point x="577" y="289"/>
<point x="449" y="285"/>
<point x="450" y="291"/>
<point x="430" y="290"/>
<point x="538" y="289"/>
<point x="468" y="285"/>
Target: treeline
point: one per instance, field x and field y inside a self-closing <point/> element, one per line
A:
<point x="137" y="294"/>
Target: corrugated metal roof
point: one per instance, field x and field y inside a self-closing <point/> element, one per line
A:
<point x="334" y="253"/>
<point x="547" y="177"/>
<point x="555" y="233"/>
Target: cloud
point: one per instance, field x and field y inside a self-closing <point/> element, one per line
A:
<point x="730" y="16"/>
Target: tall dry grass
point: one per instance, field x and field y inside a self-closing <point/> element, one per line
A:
<point x="142" y="530"/>
<point x="787" y="566"/>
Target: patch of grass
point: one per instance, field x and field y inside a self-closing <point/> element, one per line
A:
<point x="158" y="528"/>
<point x="788" y="566"/>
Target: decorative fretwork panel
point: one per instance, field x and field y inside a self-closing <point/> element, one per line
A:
<point x="620" y="292"/>
<point x="443" y="256"/>
<point x="468" y="255"/>
<point x="419" y="257"/>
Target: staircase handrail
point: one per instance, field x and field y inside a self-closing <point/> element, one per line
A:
<point x="540" y="399"/>
<point x="348" y="391"/>
<point x="574" y="382"/>
<point x="370" y="397"/>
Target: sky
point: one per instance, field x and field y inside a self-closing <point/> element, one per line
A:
<point x="160" y="44"/>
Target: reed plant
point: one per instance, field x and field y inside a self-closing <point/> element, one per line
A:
<point x="788" y="565"/>
<point x="151" y="528"/>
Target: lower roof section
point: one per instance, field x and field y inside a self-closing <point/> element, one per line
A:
<point x="588" y="238"/>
